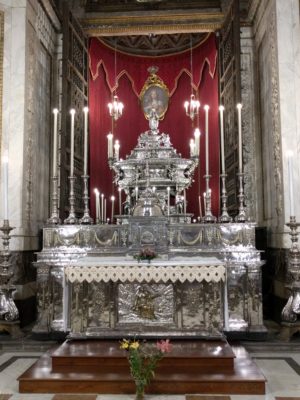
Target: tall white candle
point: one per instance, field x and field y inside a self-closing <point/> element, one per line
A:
<point x="197" y="141"/>
<point x="112" y="208"/>
<point x="97" y="198"/>
<point x="192" y="148"/>
<point x="200" y="207"/>
<point x="102" y="208"/>
<point x="110" y="153"/>
<point x="99" y="207"/>
<point x="72" y="112"/>
<point x="168" y="190"/>
<point x="239" y="111"/>
<point x="117" y="150"/>
<point x="120" y="201"/>
<point x="5" y="185"/>
<point x="85" y="157"/>
<point x="54" y="166"/>
<point x="206" y="108"/>
<point x="221" y="109"/>
<point x="136" y="193"/>
<point x="105" y="210"/>
<point x="291" y="184"/>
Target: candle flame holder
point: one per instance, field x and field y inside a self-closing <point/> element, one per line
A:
<point x="71" y="220"/>
<point x="208" y="217"/>
<point x="86" y="219"/>
<point x="241" y="217"/>
<point x="54" y="219"/>
<point x="225" y="217"/>
<point x="291" y="310"/>
<point x="8" y="309"/>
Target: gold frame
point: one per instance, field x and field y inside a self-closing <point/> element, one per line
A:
<point x="154" y="82"/>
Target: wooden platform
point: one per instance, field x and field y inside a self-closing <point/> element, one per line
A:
<point x="101" y="367"/>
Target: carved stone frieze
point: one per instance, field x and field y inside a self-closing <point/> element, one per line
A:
<point x="1" y="66"/>
<point x="45" y="30"/>
<point x="249" y="123"/>
<point x="276" y="116"/>
<point x="30" y="143"/>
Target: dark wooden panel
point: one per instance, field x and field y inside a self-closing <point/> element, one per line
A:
<point x="230" y="95"/>
<point x="74" y="95"/>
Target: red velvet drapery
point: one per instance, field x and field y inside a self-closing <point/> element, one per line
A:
<point x="131" y="74"/>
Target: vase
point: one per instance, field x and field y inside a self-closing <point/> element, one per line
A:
<point x="139" y="391"/>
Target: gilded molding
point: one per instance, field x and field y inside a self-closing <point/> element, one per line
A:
<point x="105" y="30"/>
<point x="139" y="24"/>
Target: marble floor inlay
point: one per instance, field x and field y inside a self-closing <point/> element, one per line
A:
<point x="75" y="397"/>
<point x="208" y="397"/>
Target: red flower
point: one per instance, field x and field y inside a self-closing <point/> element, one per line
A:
<point x="164" y="346"/>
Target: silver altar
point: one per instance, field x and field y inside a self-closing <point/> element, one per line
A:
<point x="205" y="280"/>
<point x="77" y="295"/>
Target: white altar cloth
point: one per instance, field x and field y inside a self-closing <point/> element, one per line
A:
<point x="177" y="270"/>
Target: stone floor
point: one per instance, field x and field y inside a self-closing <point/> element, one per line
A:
<point x="279" y="362"/>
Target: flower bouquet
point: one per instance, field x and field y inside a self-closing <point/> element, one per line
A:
<point x="143" y="358"/>
<point x="145" y="254"/>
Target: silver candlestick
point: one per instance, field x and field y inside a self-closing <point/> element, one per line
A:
<point x="86" y="219"/>
<point x="208" y="217"/>
<point x="292" y="307"/>
<point x="8" y="309"/>
<point x="225" y="217"/>
<point x="241" y="217"/>
<point x="54" y="219"/>
<point x="71" y="220"/>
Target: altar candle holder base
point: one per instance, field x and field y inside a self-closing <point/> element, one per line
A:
<point x="86" y="218"/>
<point x="54" y="219"/>
<point x="291" y="310"/>
<point x="224" y="217"/>
<point x="8" y="309"/>
<point x="208" y="216"/>
<point x="241" y="217"/>
<point x="71" y="220"/>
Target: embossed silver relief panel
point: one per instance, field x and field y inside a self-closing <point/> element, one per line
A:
<point x="202" y="306"/>
<point x="89" y="307"/>
<point x="237" y="297"/>
<point x="147" y="304"/>
<point x="57" y="276"/>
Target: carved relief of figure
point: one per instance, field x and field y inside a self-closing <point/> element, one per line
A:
<point x="179" y="204"/>
<point x="144" y="304"/>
